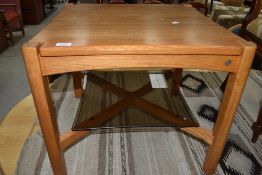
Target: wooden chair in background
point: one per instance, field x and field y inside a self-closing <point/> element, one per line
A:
<point x="11" y="18"/>
<point x="252" y="14"/>
<point x="199" y="7"/>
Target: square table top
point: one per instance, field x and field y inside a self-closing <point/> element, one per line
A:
<point x="99" y="29"/>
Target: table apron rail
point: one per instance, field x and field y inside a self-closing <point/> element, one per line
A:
<point x="55" y="65"/>
<point x="82" y="48"/>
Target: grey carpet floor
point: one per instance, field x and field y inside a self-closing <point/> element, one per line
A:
<point x="14" y="85"/>
<point x="155" y="152"/>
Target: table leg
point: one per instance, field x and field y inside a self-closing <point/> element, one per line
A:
<point x="176" y="81"/>
<point x="230" y="101"/>
<point x="223" y="85"/>
<point x="43" y="103"/>
<point x="77" y="80"/>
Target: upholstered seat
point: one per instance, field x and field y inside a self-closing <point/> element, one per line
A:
<point x="10" y="16"/>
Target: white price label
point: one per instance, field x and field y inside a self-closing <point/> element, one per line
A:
<point x="63" y="44"/>
<point x="175" y="22"/>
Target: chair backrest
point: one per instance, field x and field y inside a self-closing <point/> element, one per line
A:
<point x="17" y="2"/>
<point x="199" y="7"/>
<point x="252" y="14"/>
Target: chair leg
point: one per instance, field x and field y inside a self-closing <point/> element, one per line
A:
<point x="257" y="127"/>
<point x="10" y="31"/>
<point x="223" y="85"/>
<point x="260" y="67"/>
<point x="22" y="27"/>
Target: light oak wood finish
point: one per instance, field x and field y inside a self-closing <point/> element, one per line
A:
<point x="231" y="98"/>
<point x="237" y="84"/>
<point x="82" y="48"/>
<point x="77" y="80"/>
<point x="142" y="37"/>
<point x="70" y="137"/>
<point x="42" y="99"/>
<point x="138" y="30"/>
<point x="201" y="133"/>
<point x="54" y="65"/>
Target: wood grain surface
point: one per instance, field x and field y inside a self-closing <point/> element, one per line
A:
<point x="54" y="65"/>
<point x="135" y="29"/>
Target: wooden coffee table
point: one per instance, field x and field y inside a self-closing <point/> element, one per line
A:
<point x="142" y="37"/>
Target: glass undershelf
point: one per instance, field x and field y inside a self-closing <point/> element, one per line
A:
<point x="96" y="99"/>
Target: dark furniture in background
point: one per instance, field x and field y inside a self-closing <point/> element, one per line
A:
<point x="3" y="43"/>
<point x="33" y="11"/>
<point x="50" y="6"/>
<point x="11" y="19"/>
<point x="125" y="1"/>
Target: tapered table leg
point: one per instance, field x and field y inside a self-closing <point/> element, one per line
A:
<point x="230" y="101"/>
<point x="176" y="81"/>
<point x="77" y="80"/>
<point x="42" y="99"/>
